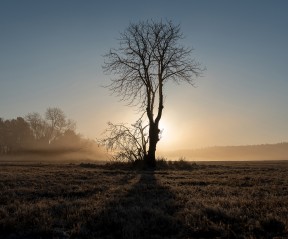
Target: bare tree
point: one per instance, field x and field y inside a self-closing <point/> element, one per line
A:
<point x="58" y="122"/>
<point x="127" y="143"/>
<point x="149" y="55"/>
<point x="37" y="124"/>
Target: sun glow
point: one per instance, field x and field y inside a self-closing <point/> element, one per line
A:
<point x="167" y="134"/>
<point x="178" y="134"/>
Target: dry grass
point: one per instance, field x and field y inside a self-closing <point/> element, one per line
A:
<point x="223" y="200"/>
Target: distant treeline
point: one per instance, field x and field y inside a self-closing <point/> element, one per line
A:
<point x="277" y="151"/>
<point x="34" y="133"/>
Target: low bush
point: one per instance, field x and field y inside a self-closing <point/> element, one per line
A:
<point x="161" y="164"/>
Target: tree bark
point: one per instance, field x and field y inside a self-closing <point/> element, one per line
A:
<point x="153" y="139"/>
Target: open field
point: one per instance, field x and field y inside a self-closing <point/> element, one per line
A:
<point x="211" y="200"/>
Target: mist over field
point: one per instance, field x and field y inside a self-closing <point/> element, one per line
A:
<point x="54" y="137"/>
<point x="59" y="155"/>
<point x="233" y="153"/>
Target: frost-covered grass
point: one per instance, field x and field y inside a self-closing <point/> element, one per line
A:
<point x="209" y="200"/>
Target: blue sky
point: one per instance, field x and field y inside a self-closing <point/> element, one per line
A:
<point x="51" y="54"/>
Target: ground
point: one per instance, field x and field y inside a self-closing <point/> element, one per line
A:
<point x="210" y="200"/>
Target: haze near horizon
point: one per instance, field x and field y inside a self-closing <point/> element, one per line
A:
<point x="52" y="55"/>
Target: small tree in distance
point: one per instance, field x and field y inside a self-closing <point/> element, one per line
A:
<point x="50" y="128"/>
<point x="150" y="55"/>
<point x="58" y="122"/>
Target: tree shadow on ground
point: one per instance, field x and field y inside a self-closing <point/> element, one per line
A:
<point x="147" y="210"/>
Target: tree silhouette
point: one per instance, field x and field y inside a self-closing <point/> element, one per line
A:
<point x="127" y="143"/>
<point x="149" y="55"/>
<point x="58" y="123"/>
<point x="38" y="125"/>
<point x="15" y="135"/>
<point x="33" y="133"/>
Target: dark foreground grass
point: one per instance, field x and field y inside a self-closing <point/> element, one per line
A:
<point x="235" y="200"/>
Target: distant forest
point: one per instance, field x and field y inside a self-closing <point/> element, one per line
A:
<point x="35" y="133"/>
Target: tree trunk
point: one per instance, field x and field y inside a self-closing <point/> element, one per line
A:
<point x="153" y="140"/>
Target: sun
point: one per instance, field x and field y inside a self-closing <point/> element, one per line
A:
<point x="166" y="135"/>
<point x="172" y="135"/>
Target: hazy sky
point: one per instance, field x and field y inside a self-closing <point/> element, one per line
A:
<point x="51" y="55"/>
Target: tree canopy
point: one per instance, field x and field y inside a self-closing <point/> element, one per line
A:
<point x="149" y="55"/>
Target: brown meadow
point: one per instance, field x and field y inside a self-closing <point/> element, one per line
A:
<point x="209" y="200"/>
